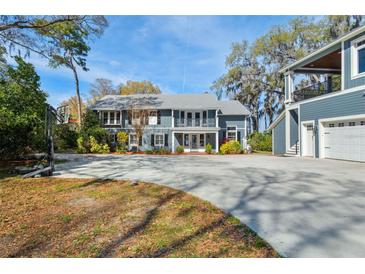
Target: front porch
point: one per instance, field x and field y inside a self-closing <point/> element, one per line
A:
<point x="195" y="141"/>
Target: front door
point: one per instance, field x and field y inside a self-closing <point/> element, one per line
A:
<point x="194" y="141"/>
<point x="308" y="144"/>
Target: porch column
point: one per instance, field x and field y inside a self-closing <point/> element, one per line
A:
<point x="289" y="87"/>
<point x="216" y="142"/>
<point x="173" y="142"/>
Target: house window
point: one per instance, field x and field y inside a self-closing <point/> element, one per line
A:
<point x="341" y="124"/>
<point x="197" y="119"/>
<point x="232" y="133"/>
<point x="358" y="57"/>
<point x="133" y="139"/>
<point x="118" y="118"/>
<point x="204" y="118"/>
<point x="362" y="123"/>
<point x="152" y="118"/>
<point x="105" y="118"/>
<point x="159" y="141"/>
<point x="351" y="124"/>
<point x="331" y="125"/>
<point x="112" y="118"/>
<point x="201" y="140"/>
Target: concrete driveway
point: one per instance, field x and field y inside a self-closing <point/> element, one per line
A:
<point x="303" y="207"/>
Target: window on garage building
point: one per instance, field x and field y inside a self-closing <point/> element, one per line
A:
<point x="351" y="124"/>
<point x="362" y="123"/>
<point x="232" y="133"/>
<point x="358" y="56"/>
<point x="331" y="125"/>
<point x="341" y="124"/>
<point x="118" y="118"/>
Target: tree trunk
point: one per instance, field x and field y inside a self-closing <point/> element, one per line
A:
<point x="79" y="106"/>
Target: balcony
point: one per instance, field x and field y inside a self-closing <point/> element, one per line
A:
<point x="190" y="122"/>
<point x="315" y="90"/>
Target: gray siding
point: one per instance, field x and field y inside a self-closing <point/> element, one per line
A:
<point x="293" y="127"/>
<point x="279" y="138"/>
<point x="342" y="105"/>
<point x="231" y="120"/>
<point x="347" y="66"/>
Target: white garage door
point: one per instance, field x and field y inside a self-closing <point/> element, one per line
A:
<point x="345" y="140"/>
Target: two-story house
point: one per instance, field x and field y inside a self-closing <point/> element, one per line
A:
<point x="188" y="120"/>
<point x="325" y="120"/>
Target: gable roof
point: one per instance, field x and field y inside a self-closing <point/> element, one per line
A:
<point x="186" y="101"/>
<point x="161" y="101"/>
<point x="232" y="107"/>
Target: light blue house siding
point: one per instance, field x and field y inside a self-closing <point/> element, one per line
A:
<point x="279" y="137"/>
<point x="347" y="66"/>
<point x="342" y="105"/>
<point x="232" y="120"/>
<point x="293" y="127"/>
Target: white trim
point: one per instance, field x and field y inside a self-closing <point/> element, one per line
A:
<point x="129" y="140"/>
<point x="216" y="142"/>
<point x="302" y="124"/>
<point x="341" y="39"/>
<point x="277" y="120"/>
<point x="231" y="130"/>
<point x="354" y="58"/>
<point x="173" y="141"/>
<point x="163" y="140"/>
<point x="108" y="120"/>
<point x="325" y="96"/>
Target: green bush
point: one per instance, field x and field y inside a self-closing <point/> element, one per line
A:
<point x="100" y="134"/>
<point x="180" y="149"/>
<point x="95" y="147"/>
<point x="260" y="141"/>
<point x="81" y="145"/>
<point x="122" y="140"/>
<point x="148" y="151"/>
<point x="65" y="137"/>
<point x="208" y="148"/>
<point x="231" y="147"/>
<point x="162" y="151"/>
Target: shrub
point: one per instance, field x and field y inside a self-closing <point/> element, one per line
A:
<point x="180" y="149"/>
<point x="231" y="147"/>
<point x="162" y="151"/>
<point x="65" y="137"/>
<point x="148" y="151"/>
<point x="100" y="134"/>
<point x="95" y="147"/>
<point x="80" y="145"/>
<point x="208" y="148"/>
<point x="260" y="141"/>
<point x="122" y="140"/>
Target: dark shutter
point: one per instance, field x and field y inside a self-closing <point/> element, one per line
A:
<point x="152" y="140"/>
<point x="140" y="141"/>
<point x="239" y="136"/>
<point x="158" y="117"/>
<point x="166" y="140"/>
<point x="129" y="119"/>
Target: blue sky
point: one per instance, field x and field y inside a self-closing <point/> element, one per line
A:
<point x="178" y="53"/>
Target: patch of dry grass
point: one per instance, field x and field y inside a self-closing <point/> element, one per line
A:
<point x="53" y="217"/>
